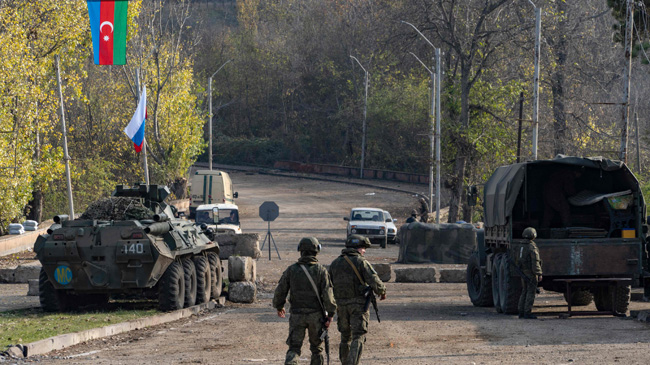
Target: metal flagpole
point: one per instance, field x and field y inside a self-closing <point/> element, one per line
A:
<point x="66" y="157"/>
<point x="144" y="139"/>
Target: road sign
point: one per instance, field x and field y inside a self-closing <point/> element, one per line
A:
<point x="269" y="211"/>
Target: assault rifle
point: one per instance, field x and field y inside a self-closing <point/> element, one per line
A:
<point x="521" y="273"/>
<point x="325" y="336"/>
<point x="370" y="298"/>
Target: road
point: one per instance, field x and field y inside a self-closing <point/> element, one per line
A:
<point x="421" y="323"/>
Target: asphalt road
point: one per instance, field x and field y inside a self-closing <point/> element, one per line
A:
<point x="421" y="323"/>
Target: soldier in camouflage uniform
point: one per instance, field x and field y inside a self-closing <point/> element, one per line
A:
<point x="349" y="293"/>
<point x="528" y="261"/>
<point x="306" y="311"/>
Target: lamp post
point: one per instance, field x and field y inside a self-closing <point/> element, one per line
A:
<point x="210" y="117"/>
<point x="365" y="112"/>
<point x="538" y="32"/>
<point x="435" y="90"/>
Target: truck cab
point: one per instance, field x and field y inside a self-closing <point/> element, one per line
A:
<point x="210" y="187"/>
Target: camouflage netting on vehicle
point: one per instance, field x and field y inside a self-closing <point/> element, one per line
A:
<point x="117" y="208"/>
<point x="439" y="243"/>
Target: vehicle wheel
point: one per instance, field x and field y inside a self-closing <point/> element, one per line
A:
<point x="580" y="297"/>
<point x="496" y="300"/>
<point x="603" y="299"/>
<point x="203" y="279"/>
<point x="509" y="287"/>
<point x="189" y="271"/>
<point x="479" y="286"/>
<point x="216" y="281"/>
<point x="52" y="300"/>
<point x="171" y="292"/>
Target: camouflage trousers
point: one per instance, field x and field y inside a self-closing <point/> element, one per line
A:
<point x="352" y="322"/>
<point x="527" y="297"/>
<point x="298" y="323"/>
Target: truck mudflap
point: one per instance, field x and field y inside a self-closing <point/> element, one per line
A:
<point x="606" y="257"/>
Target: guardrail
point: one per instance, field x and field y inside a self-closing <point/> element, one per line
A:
<point x="315" y="168"/>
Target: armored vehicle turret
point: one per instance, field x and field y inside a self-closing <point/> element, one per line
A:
<point x="130" y="243"/>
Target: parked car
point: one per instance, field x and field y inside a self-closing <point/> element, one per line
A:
<point x="369" y="222"/>
<point x="391" y="230"/>
<point x="221" y="218"/>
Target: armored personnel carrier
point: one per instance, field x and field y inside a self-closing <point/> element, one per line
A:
<point x="130" y="243"/>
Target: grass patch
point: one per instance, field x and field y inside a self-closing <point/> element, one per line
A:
<point x="29" y="325"/>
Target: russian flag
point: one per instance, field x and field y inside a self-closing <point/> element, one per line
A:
<point x="108" y="20"/>
<point x="135" y="129"/>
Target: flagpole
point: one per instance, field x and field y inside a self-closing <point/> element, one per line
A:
<point x="66" y="157"/>
<point x="144" y="140"/>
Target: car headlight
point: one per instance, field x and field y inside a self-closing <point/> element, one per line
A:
<point x="390" y="230"/>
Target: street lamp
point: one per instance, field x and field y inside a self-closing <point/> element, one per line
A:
<point x="210" y="107"/>
<point x="435" y="121"/>
<point x="365" y="112"/>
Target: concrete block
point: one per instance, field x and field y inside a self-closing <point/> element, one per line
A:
<point x="241" y="268"/>
<point x="246" y="244"/>
<point x="643" y="316"/>
<point x="453" y="275"/>
<point x="242" y="292"/>
<point x="7" y="275"/>
<point x="384" y="271"/>
<point x="33" y="287"/>
<point x="415" y="275"/>
<point x="26" y="272"/>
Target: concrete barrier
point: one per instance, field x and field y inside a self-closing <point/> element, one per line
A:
<point x="415" y="275"/>
<point x="384" y="271"/>
<point x="453" y="275"/>
<point x="21" y="273"/>
<point x="242" y="292"/>
<point x="33" y="288"/>
<point x="241" y="268"/>
<point x="246" y="244"/>
<point x="15" y="243"/>
<point x="69" y="339"/>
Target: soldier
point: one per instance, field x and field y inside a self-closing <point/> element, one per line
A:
<point x="352" y="275"/>
<point x="424" y="211"/>
<point x="413" y="217"/>
<point x="528" y="261"/>
<point x="306" y="307"/>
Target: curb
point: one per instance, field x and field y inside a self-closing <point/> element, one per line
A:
<point x="69" y="339"/>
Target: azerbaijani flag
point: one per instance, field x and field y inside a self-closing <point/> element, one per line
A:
<point x="135" y="129"/>
<point x="108" y="28"/>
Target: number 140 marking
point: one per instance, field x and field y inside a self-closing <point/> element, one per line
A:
<point x="134" y="248"/>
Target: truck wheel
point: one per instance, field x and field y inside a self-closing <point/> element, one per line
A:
<point x="496" y="263"/>
<point x="203" y="279"/>
<point x="171" y="294"/>
<point x="479" y="286"/>
<point x="52" y="300"/>
<point x="580" y="297"/>
<point x="509" y="287"/>
<point x="217" y="276"/>
<point x="189" y="271"/>
<point x="603" y="299"/>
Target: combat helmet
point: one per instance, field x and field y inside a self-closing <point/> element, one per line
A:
<point x="357" y="241"/>
<point x="310" y="244"/>
<point x="414" y="212"/>
<point x="529" y="233"/>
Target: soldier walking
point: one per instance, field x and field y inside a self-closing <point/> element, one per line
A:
<point x="530" y="264"/>
<point x="353" y="277"/>
<point x="303" y="279"/>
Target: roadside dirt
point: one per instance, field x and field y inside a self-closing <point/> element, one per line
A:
<point x="421" y="323"/>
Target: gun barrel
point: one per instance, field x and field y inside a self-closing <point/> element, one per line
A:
<point x="158" y="229"/>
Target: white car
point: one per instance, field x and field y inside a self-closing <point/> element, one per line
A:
<point x="391" y="230"/>
<point x="222" y="218"/>
<point x="369" y="222"/>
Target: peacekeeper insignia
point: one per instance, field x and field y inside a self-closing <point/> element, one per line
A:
<point x="63" y="275"/>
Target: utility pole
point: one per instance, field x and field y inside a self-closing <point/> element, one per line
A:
<point x="538" y="35"/>
<point x="438" y="123"/>
<point x="365" y="112"/>
<point x="638" y="152"/>
<point x="521" y="117"/>
<point x="210" y="113"/>
<point x="66" y="157"/>
<point x="627" y="76"/>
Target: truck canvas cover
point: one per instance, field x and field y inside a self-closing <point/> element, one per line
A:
<point x="503" y="187"/>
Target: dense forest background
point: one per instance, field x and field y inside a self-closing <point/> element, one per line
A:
<point x="291" y="91"/>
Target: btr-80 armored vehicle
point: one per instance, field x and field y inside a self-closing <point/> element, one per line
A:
<point x="130" y="243"/>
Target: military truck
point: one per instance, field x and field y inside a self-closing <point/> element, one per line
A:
<point x="590" y="218"/>
<point x="135" y="246"/>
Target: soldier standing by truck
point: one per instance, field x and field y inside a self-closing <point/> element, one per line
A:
<point x="354" y="281"/>
<point x="302" y="279"/>
<point x="528" y="261"/>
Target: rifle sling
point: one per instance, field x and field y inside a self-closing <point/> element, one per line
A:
<point x="355" y="270"/>
<point x="313" y="285"/>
